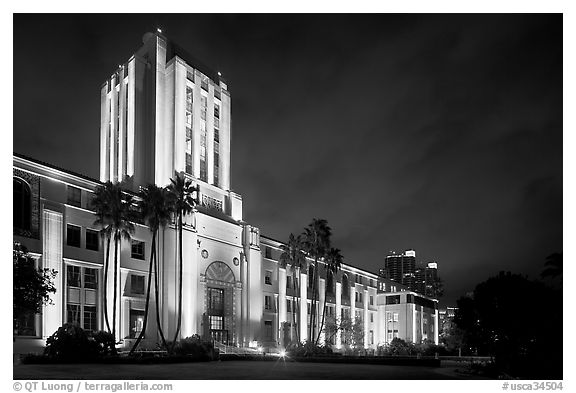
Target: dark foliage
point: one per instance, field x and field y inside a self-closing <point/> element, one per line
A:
<point x="32" y="286"/>
<point x="514" y="319"/>
<point x="309" y="349"/>
<point x="194" y="347"/>
<point x="72" y="343"/>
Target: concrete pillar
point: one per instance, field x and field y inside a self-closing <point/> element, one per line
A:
<point x="366" y="320"/>
<point x="282" y="317"/>
<point x="52" y="242"/>
<point x="338" y="312"/>
<point x="303" y="307"/>
<point x="320" y="309"/>
<point x="436" y="326"/>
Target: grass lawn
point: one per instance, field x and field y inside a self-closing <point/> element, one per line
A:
<point x="232" y="370"/>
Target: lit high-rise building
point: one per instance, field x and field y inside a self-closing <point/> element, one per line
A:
<point x="163" y="112"/>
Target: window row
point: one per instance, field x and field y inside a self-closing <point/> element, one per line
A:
<point x="92" y="241"/>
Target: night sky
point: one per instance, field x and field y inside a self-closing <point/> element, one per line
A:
<point x="440" y="133"/>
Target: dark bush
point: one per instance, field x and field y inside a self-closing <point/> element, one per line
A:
<point x="70" y="342"/>
<point x="309" y="349"/>
<point x="194" y="346"/>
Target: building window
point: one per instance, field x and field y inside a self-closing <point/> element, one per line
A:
<point x="215" y="301"/>
<point x="268" y="329"/>
<point x="310" y="276"/>
<point x="216" y="111"/>
<point x="82" y="295"/>
<point x="137" y="249"/>
<point x="137" y="284"/>
<point x="136" y="322"/>
<point x="395" y="316"/>
<point x="359" y="279"/>
<point x="267" y="252"/>
<point x="90" y="319"/>
<point x="371" y="317"/>
<point x="355" y="296"/>
<point x="92" y="240"/>
<point x="74" y="196"/>
<point x="371" y="300"/>
<point x="345" y="292"/>
<point x="371" y="337"/>
<point x="189" y="127"/>
<point x="267" y="302"/>
<point x="73" y="235"/>
<point x="204" y="83"/>
<point x="268" y="278"/>
<point x="73" y="276"/>
<point x="288" y="282"/>
<point x="22" y="204"/>
<point x="216" y="322"/>
<point x="330" y="283"/>
<point x="360" y="296"/>
<point x="308" y="308"/>
<point x="394" y="299"/>
<point x="288" y="305"/>
<point x="90" y="278"/>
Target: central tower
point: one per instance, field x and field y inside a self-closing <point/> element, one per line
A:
<point x="163" y="112"/>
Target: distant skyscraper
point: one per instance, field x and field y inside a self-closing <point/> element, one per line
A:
<point x="431" y="280"/>
<point x="401" y="268"/>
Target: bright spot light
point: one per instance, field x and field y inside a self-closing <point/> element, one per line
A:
<point x="282" y="353"/>
<point x="159" y="30"/>
<point x="259" y="349"/>
<point x="219" y="73"/>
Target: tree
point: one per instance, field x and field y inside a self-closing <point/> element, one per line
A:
<point x="513" y="318"/>
<point x="553" y="266"/>
<point x="316" y="244"/>
<point x="115" y="211"/>
<point x="332" y="264"/>
<point x="155" y="210"/>
<point x="32" y="286"/>
<point x="182" y="196"/>
<point x="293" y="255"/>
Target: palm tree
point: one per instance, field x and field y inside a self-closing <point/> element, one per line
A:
<point x="121" y="216"/>
<point x="316" y="244"/>
<point x="293" y="255"/>
<point x="181" y="191"/>
<point x="332" y="264"/>
<point x="114" y="211"/>
<point x="554" y="266"/>
<point x="101" y="205"/>
<point x="154" y="208"/>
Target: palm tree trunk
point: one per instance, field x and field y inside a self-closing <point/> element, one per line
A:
<point x="178" y="323"/>
<point x="141" y="335"/>
<point x="296" y="305"/>
<point x="156" y="290"/>
<point x="323" y="314"/>
<point x="105" y="284"/>
<point x="116" y="239"/>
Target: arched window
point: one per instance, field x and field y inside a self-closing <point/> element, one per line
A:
<point x="22" y="204"/>
<point x="345" y="291"/>
<point x="330" y="282"/>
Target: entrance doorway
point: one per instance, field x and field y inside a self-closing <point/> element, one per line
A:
<point x="218" y="328"/>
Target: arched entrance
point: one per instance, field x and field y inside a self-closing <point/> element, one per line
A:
<point x="219" y="320"/>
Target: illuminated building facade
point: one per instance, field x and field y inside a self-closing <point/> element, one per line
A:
<point x="164" y="112"/>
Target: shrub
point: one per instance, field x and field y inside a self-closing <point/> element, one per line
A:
<point x="195" y="347"/>
<point x="309" y="349"/>
<point x="71" y="343"/>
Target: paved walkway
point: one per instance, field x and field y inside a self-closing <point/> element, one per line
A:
<point x="233" y="370"/>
